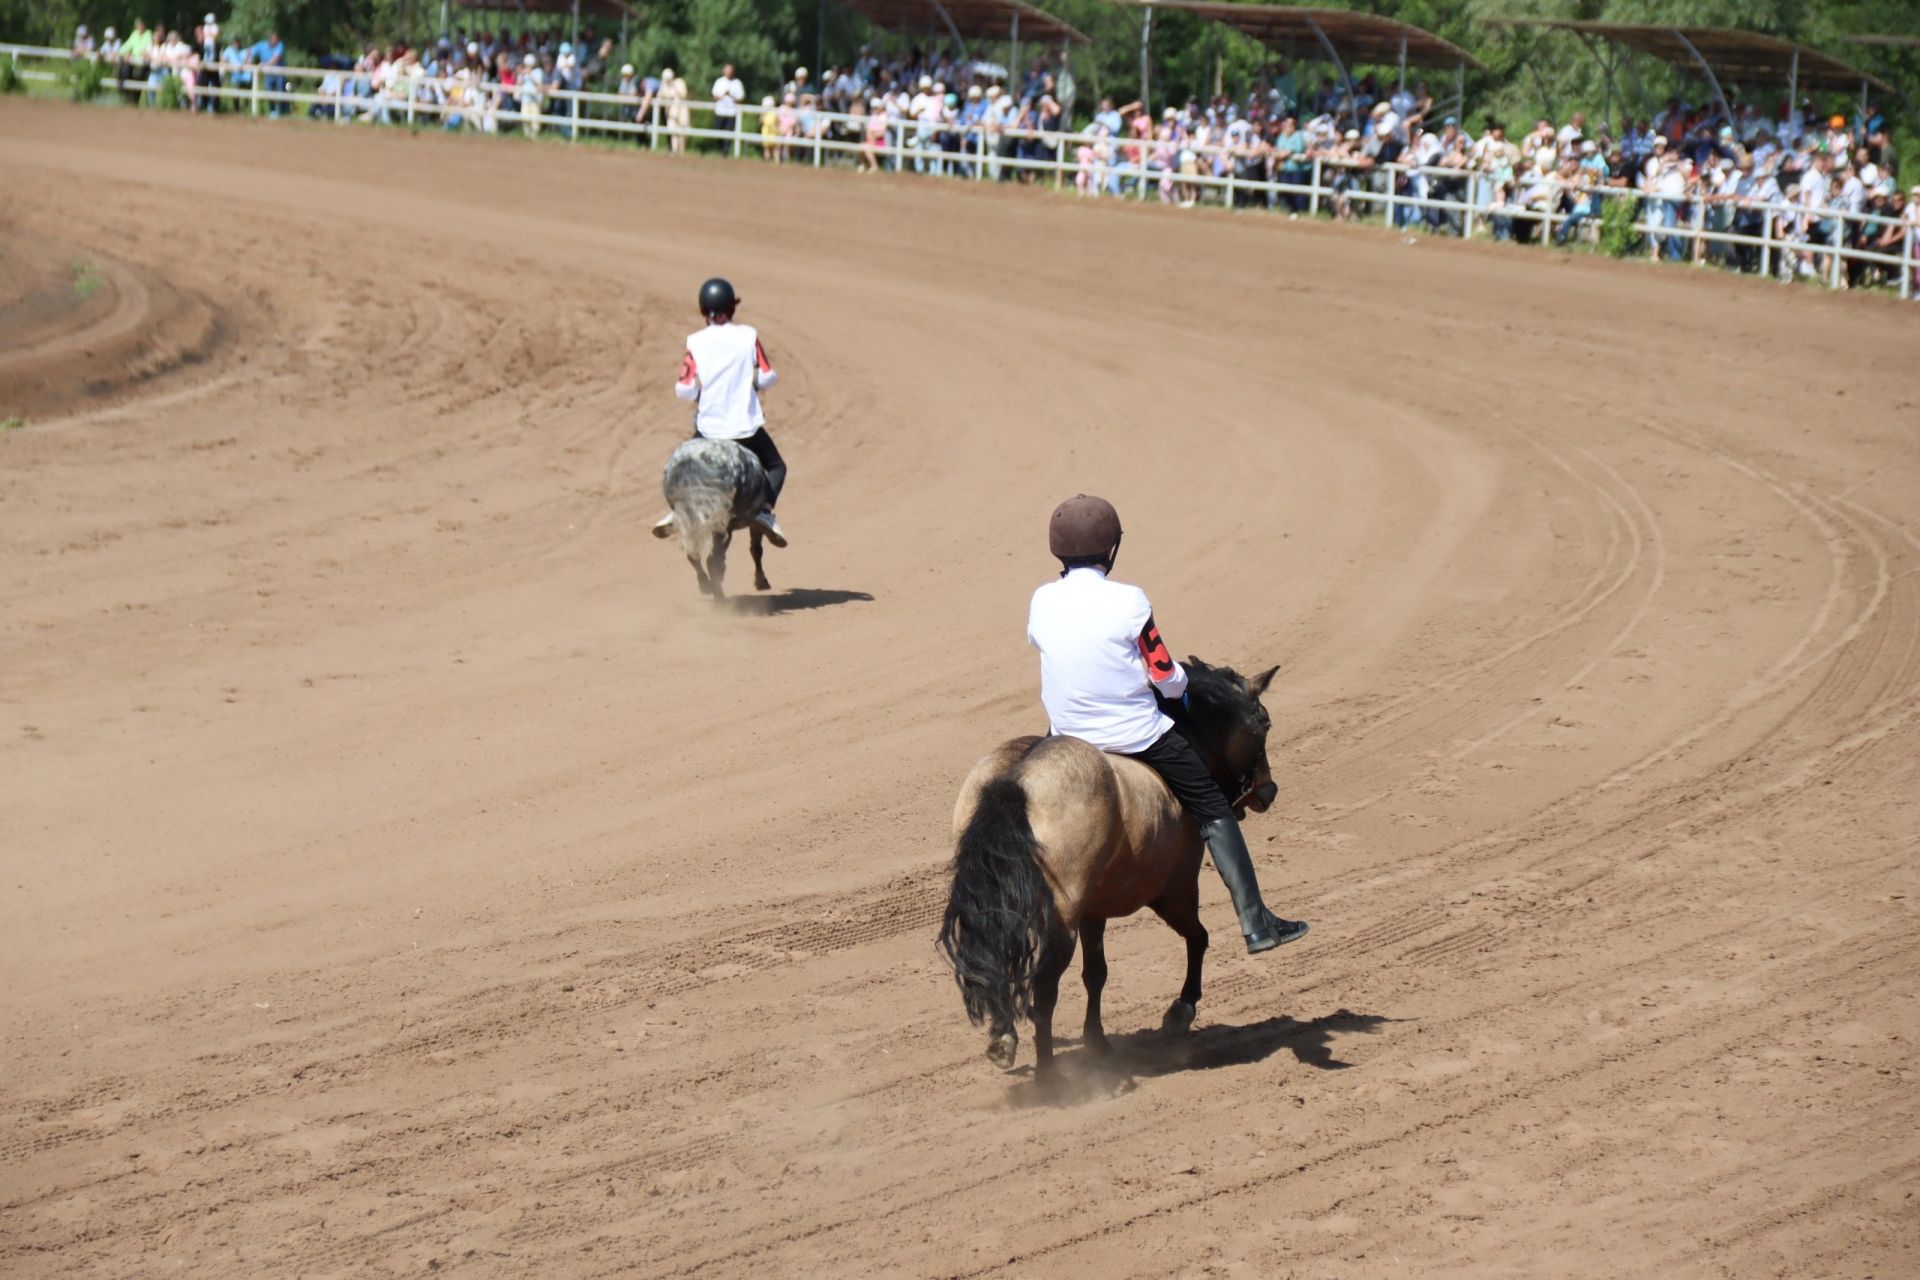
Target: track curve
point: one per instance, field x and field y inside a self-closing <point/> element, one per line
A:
<point x="411" y="870"/>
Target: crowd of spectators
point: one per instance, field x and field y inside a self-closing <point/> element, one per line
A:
<point x="1687" y="166"/>
<point x="147" y="57"/>
<point x="1365" y="150"/>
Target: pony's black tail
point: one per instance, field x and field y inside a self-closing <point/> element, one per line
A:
<point x="1000" y="910"/>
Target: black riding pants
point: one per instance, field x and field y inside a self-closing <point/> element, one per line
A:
<point x="761" y="446"/>
<point x="1175" y="759"/>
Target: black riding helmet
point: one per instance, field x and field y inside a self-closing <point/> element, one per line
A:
<point x="717" y="298"/>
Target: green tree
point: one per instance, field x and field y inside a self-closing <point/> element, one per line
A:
<point x="698" y="37"/>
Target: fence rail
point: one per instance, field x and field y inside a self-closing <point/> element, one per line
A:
<point x="1790" y="235"/>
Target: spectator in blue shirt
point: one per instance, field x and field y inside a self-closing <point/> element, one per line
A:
<point x="271" y="52"/>
<point x="232" y="59"/>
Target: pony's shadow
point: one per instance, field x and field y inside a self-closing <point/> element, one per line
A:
<point x="794" y="600"/>
<point x="1085" y="1076"/>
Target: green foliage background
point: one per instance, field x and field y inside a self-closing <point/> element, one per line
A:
<point x="1528" y="72"/>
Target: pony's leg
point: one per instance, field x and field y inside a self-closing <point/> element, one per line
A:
<point x="1093" y="971"/>
<point x="1055" y="955"/>
<point x="700" y="572"/>
<point x="1182" y="914"/>
<point x="717" y="565"/>
<point x="760" y="582"/>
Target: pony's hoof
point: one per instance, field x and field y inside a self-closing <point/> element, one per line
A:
<point x="1001" y="1050"/>
<point x="1179" y="1019"/>
<point x="761" y="584"/>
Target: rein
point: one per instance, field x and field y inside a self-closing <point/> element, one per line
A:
<point x="1241" y="792"/>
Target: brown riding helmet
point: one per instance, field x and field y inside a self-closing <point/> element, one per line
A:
<point x="1083" y="528"/>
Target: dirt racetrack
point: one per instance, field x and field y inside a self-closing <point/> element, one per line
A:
<point x="407" y="871"/>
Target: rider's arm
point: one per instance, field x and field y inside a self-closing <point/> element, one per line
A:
<point x="764" y="374"/>
<point x="688" y="387"/>
<point x="1168" y="678"/>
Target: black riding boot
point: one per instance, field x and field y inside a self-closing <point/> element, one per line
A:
<point x="1262" y="929"/>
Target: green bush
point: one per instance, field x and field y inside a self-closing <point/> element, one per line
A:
<point x="1616" y="227"/>
<point x="10" y="81"/>
<point x="172" y="95"/>
<point x="84" y="76"/>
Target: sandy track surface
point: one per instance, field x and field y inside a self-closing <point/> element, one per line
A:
<point x="407" y="871"/>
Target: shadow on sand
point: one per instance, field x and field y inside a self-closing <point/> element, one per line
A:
<point x="1085" y="1076"/>
<point x="793" y="600"/>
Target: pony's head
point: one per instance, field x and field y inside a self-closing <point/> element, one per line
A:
<point x="1226" y="719"/>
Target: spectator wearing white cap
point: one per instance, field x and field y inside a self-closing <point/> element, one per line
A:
<point x="529" y="88"/>
<point x="1582" y="200"/>
<point x="1912" y="216"/>
<point x="1492" y="159"/>
<point x="83" y="44"/>
<point x="673" y="101"/>
<point x="636" y="99"/>
<point x="208" y="47"/>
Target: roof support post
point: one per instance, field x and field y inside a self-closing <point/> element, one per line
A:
<point x="1353" y="98"/>
<point x="1713" y="81"/>
<point x="1403" y="62"/>
<point x="1013" y="68"/>
<point x="1606" y="68"/>
<point x="1793" y="86"/>
<point x="1146" y="41"/>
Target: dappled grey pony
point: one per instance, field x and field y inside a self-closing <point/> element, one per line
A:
<point x="714" y="487"/>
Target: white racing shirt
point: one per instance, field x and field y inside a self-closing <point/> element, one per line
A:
<point x="724" y="372"/>
<point x="1101" y="658"/>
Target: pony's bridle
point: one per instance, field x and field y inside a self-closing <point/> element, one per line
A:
<point x="1243" y="788"/>
<point x="1244" y="785"/>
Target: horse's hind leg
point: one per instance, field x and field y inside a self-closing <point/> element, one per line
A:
<point x="700" y="572"/>
<point x="1181" y="911"/>
<point x="1093" y="971"/>
<point x="717" y="566"/>
<point x="1056" y="953"/>
<point x="760" y="582"/>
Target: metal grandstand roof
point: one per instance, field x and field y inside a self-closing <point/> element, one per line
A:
<point x="1736" y="55"/>
<point x="968" y="19"/>
<point x="1359" y="37"/>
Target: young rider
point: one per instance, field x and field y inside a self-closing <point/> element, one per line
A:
<point x="1101" y="662"/>
<point x="723" y="372"/>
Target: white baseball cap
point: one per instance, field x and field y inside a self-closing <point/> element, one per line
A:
<point x="626" y="68"/>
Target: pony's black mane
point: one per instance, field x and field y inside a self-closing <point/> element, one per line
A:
<point x="1221" y="696"/>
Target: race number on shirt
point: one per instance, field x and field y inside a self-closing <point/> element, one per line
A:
<point x="1154" y="650"/>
